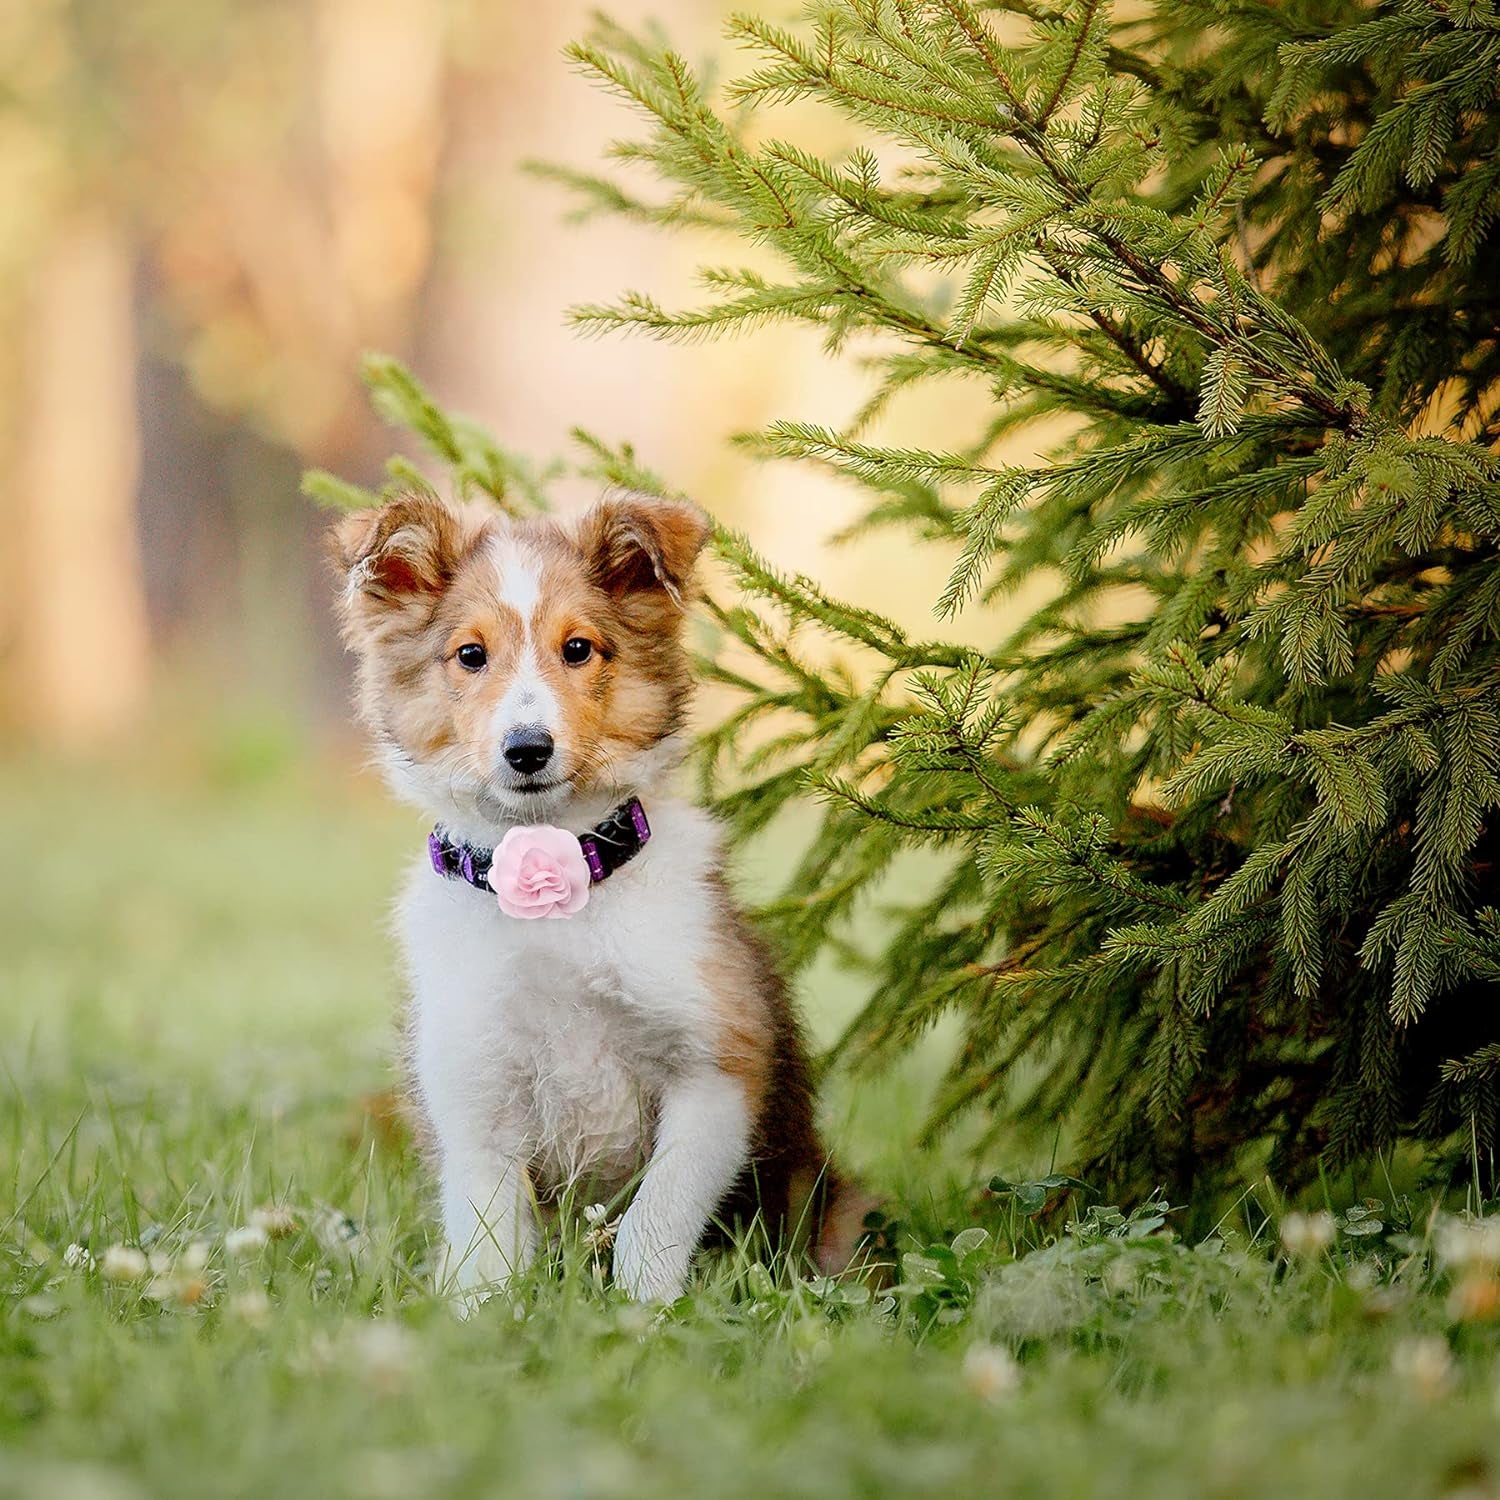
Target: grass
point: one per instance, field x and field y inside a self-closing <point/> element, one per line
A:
<point x="195" y="1015"/>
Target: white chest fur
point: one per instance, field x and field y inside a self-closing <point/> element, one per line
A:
<point x="553" y="1040"/>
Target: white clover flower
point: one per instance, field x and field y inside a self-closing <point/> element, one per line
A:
<point x="122" y="1263"/>
<point x="1425" y="1364"/>
<point x="635" y="1319"/>
<point x="276" y="1219"/>
<point x="248" y="1239"/>
<point x="1462" y="1243"/>
<point x="188" y="1290"/>
<point x="78" y="1258"/>
<point x="602" y="1230"/>
<point x="991" y="1372"/>
<point x="1307" y="1235"/>
<point x="384" y="1353"/>
<point x="316" y="1356"/>
<point x="181" y="1282"/>
<point x="338" y="1234"/>
<point x="251" y="1307"/>
<point x="1475" y="1297"/>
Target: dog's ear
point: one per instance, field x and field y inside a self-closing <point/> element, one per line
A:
<point x="410" y="546"/>
<point x="636" y="542"/>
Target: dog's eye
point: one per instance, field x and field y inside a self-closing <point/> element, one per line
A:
<point x="472" y="657"/>
<point x="577" y="651"/>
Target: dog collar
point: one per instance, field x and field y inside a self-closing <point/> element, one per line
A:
<point x="610" y="843"/>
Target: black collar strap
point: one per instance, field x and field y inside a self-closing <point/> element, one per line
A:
<point x="614" y="841"/>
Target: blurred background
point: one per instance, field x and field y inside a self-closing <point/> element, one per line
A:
<point x="208" y="210"/>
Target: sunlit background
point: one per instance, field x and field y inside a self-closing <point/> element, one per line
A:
<point x="208" y="209"/>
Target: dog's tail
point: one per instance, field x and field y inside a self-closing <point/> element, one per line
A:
<point x="841" y="1239"/>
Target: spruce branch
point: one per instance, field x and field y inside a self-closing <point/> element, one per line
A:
<point x="1191" y="834"/>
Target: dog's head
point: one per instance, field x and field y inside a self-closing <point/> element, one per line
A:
<point x="506" y="666"/>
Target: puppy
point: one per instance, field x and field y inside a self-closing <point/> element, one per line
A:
<point x="589" y="1010"/>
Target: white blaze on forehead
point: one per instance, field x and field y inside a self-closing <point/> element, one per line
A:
<point x="528" y="699"/>
<point x="520" y="577"/>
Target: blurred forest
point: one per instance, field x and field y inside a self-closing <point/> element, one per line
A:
<point x="208" y="210"/>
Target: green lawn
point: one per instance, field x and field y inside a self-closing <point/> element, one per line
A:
<point x="195" y="1010"/>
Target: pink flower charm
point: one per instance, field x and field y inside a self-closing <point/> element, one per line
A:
<point x="540" y="872"/>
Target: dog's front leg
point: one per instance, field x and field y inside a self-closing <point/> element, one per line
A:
<point x="489" y="1217"/>
<point x="702" y="1142"/>
<point x="459" y="1051"/>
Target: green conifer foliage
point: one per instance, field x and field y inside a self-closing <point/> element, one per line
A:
<point x="1217" y="822"/>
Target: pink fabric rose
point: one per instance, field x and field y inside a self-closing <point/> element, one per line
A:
<point x="539" y="872"/>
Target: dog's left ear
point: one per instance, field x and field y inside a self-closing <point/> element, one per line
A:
<point x="409" y="546"/>
<point x="637" y="542"/>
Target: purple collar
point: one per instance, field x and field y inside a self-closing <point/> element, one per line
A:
<point x="606" y="846"/>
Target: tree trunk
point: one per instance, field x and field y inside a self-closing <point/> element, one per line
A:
<point x="81" y="638"/>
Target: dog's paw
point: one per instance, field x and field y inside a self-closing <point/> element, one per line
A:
<point x="464" y="1302"/>
<point x="646" y="1270"/>
<point x="467" y="1281"/>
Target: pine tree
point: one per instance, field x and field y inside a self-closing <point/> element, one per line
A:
<point x="1217" y="822"/>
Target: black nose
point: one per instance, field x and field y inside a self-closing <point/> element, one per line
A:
<point x="528" y="748"/>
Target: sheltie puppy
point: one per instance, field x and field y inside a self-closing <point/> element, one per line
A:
<point x="589" y="1011"/>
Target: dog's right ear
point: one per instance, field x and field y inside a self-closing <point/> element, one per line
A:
<point x="409" y="547"/>
<point x="638" y="543"/>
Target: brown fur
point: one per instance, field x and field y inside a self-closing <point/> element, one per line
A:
<point x="620" y="578"/>
<point x="791" y="1183"/>
<point x="414" y="594"/>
